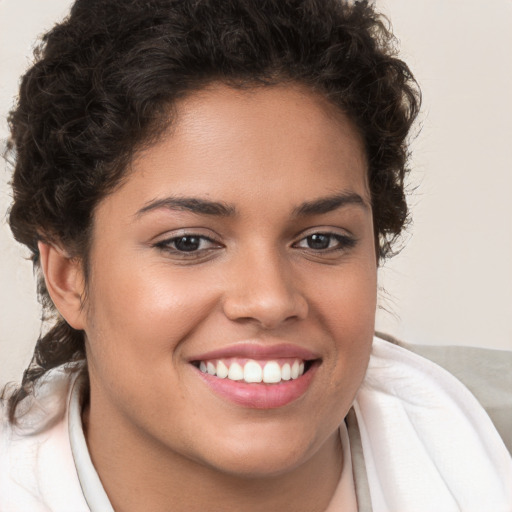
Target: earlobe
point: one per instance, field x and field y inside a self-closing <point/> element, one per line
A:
<point x="64" y="280"/>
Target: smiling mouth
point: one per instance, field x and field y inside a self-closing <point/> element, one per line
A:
<point x="252" y="371"/>
<point x="260" y="383"/>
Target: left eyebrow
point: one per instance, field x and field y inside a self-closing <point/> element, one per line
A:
<point x="191" y="204"/>
<point x="329" y="204"/>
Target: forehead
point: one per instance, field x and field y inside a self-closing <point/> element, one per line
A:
<point x="252" y="142"/>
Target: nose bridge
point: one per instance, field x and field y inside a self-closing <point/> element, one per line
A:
<point x="263" y="288"/>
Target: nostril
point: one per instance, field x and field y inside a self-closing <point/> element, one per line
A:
<point x="270" y="311"/>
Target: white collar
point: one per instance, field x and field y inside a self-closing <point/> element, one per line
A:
<point x="90" y="482"/>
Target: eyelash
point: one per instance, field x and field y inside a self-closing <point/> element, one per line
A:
<point x="167" y="245"/>
<point x="343" y="243"/>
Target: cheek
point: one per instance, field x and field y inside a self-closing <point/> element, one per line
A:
<point x="348" y="313"/>
<point x="145" y="310"/>
<point x="348" y="300"/>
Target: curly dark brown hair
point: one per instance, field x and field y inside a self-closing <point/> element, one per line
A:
<point x="105" y="81"/>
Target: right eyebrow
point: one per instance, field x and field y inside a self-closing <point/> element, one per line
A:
<point x="191" y="204"/>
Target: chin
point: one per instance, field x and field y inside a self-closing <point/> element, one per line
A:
<point x="262" y="454"/>
<point x="258" y="466"/>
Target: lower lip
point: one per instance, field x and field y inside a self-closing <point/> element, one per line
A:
<point x="259" y="395"/>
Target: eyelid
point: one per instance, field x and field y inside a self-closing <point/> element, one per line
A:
<point x="345" y="240"/>
<point x="187" y="231"/>
<point x="324" y="230"/>
<point x="166" y="241"/>
<point x="165" y="244"/>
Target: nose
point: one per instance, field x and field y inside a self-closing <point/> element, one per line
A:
<point x="264" y="290"/>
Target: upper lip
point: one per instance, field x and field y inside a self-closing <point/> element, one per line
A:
<point x="258" y="350"/>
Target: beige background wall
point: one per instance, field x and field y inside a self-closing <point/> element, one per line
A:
<point x="452" y="284"/>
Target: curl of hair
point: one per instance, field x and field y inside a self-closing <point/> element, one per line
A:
<point x="105" y="80"/>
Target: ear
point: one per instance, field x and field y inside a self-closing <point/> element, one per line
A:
<point x="65" y="283"/>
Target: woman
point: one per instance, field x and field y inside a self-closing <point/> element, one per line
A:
<point x="207" y="188"/>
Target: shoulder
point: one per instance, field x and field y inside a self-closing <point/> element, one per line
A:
<point x="37" y="470"/>
<point x="487" y="373"/>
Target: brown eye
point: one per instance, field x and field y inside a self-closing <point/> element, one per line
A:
<point x="318" y="241"/>
<point x="326" y="242"/>
<point x="187" y="243"/>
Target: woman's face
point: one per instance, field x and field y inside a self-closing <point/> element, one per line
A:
<point x="242" y="241"/>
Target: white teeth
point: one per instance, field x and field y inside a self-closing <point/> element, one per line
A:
<point x="286" y="372"/>
<point x="272" y="372"/>
<point x="222" y="370"/>
<point x="236" y="372"/>
<point x="253" y="372"/>
<point x="210" y="368"/>
<point x="295" y="370"/>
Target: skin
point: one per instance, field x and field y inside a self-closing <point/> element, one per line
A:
<point x="156" y="433"/>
